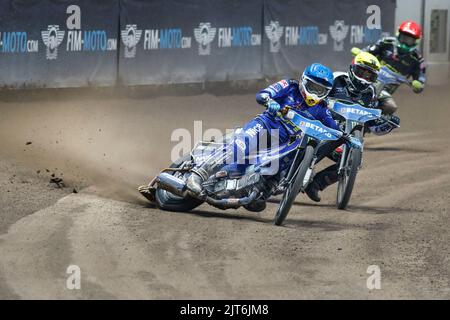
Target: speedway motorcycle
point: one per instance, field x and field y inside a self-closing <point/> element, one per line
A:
<point x="231" y="185"/>
<point x="388" y="78"/>
<point x="352" y="117"/>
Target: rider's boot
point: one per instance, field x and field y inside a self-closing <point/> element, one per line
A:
<point x="256" y="206"/>
<point x="195" y="180"/>
<point x="312" y="191"/>
<point x="322" y="180"/>
<point x="201" y="174"/>
<point x="147" y="192"/>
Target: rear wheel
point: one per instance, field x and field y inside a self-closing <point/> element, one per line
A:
<point x="293" y="189"/>
<point x="170" y="202"/>
<point x="347" y="177"/>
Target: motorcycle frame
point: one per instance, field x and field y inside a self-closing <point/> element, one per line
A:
<point x="350" y="127"/>
<point x="295" y="166"/>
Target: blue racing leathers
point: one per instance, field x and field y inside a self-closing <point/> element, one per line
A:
<point x="286" y="93"/>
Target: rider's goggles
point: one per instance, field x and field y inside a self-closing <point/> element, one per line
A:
<point x="315" y="88"/>
<point x="407" y="40"/>
<point x="364" y="73"/>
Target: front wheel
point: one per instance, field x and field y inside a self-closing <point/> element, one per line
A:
<point x="293" y="189"/>
<point x="348" y="176"/>
<point x="170" y="202"/>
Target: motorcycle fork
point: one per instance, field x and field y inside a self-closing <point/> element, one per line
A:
<point x="362" y="148"/>
<point x="348" y="129"/>
<point x="293" y="170"/>
<point x="309" y="174"/>
<point x="296" y="161"/>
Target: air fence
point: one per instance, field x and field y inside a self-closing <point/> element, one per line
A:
<point x="78" y="43"/>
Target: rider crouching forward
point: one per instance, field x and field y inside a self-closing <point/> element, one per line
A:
<point x="356" y="86"/>
<point x="401" y="55"/>
<point x="305" y="97"/>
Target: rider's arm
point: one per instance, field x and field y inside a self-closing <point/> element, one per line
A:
<point x="371" y="100"/>
<point x="273" y="91"/>
<point x="327" y="119"/>
<point x="382" y="127"/>
<point x="419" y="72"/>
<point x="376" y="49"/>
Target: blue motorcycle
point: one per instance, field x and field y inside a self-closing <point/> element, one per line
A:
<point x="388" y="77"/>
<point x="285" y="169"/>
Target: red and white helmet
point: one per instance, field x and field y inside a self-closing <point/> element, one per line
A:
<point x="409" y="35"/>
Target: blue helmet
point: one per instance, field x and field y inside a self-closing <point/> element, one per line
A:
<point x="317" y="81"/>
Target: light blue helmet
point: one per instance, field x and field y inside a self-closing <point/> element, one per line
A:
<point x="316" y="82"/>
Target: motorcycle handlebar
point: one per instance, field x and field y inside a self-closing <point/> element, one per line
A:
<point x="283" y="111"/>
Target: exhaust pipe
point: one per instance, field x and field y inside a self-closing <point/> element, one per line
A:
<point x="171" y="184"/>
<point x="178" y="187"/>
<point x="232" y="203"/>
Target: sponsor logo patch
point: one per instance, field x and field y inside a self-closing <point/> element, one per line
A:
<point x="284" y="84"/>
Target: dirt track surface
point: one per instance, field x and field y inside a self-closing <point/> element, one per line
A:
<point x="398" y="217"/>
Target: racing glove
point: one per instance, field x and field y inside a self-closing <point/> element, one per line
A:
<point x="395" y="120"/>
<point x="381" y="127"/>
<point x="263" y="98"/>
<point x="273" y="107"/>
<point x="417" y="86"/>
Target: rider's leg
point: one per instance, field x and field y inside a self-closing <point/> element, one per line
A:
<point x="329" y="175"/>
<point x="244" y="146"/>
<point x="323" y="179"/>
<point x="387" y="103"/>
<point x="328" y="150"/>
